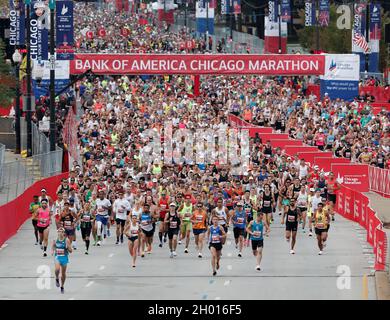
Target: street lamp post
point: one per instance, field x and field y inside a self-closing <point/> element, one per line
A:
<point x="280" y="26"/>
<point x="52" y="134"/>
<point x="28" y="74"/>
<point x="17" y="58"/>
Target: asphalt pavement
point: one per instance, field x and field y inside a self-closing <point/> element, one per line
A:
<point x="344" y="271"/>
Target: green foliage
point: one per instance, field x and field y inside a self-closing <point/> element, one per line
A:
<point x="332" y="39"/>
<point x="7" y="80"/>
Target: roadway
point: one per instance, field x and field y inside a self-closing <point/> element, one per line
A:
<point x="106" y="272"/>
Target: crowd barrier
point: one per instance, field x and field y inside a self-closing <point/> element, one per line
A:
<point x="379" y="180"/>
<point x="351" y="203"/>
<point x="14" y="213"/>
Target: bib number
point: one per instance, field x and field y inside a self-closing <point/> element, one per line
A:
<point x="291" y="219"/>
<point x="60" y="252"/>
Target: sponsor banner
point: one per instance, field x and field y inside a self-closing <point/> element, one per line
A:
<point x="39" y="27"/>
<point x="43" y="69"/>
<point x="380" y="246"/>
<point x="379" y="180"/>
<point x="17" y="19"/>
<point x="363" y="204"/>
<point x="357" y="208"/>
<point x="354" y="176"/>
<point x="204" y="16"/>
<point x="281" y="143"/>
<point x="310" y="13"/>
<point x="273" y="11"/>
<point x="286" y="11"/>
<point x="349" y="203"/>
<point x="226" y="6"/>
<point x="43" y="88"/>
<point x="342" y="67"/>
<point x="375" y="21"/>
<point x="293" y="150"/>
<point x="64" y="23"/>
<point x="359" y="25"/>
<point x="198" y="64"/>
<point x="347" y="90"/>
<point x="340" y="201"/>
<point x="324" y="13"/>
<point x="325" y="163"/>
<point x="271" y="29"/>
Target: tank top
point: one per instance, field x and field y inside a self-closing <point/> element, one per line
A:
<point x="267" y="200"/>
<point x="221" y="214"/>
<point x="186" y="210"/>
<point x="292" y="215"/>
<point x="60" y="248"/>
<point x="134" y="229"/>
<point x="257" y="229"/>
<point x="215" y="234"/>
<point x="302" y="200"/>
<point x="68" y="222"/>
<point x="86" y="220"/>
<point x="173" y="221"/>
<point x="135" y="212"/>
<point x="239" y="219"/>
<point x="43" y="217"/>
<point x="163" y="204"/>
<point x="146" y="221"/>
<point x="321" y="222"/>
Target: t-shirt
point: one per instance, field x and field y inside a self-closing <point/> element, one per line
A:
<point x="100" y="204"/>
<point x="120" y="208"/>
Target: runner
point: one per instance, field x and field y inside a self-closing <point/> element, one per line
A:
<point x="146" y="219"/>
<point x="185" y="211"/>
<point x="302" y="202"/>
<point x="332" y="186"/>
<point x="267" y="203"/>
<point x="238" y="218"/>
<point x="57" y="208"/>
<point x="292" y="214"/>
<point x="256" y="229"/>
<point x="199" y="220"/>
<point x="87" y="220"/>
<point x="163" y="209"/>
<point x="222" y="213"/>
<point x="121" y="207"/>
<point x="132" y="230"/>
<point x="310" y="213"/>
<point x="102" y="206"/>
<point x="44" y="216"/>
<point x="68" y="221"/>
<point x="321" y="219"/>
<point x="61" y="249"/>
<point x="215" y="234"/>
<point x="34" y="206"/>
<point x="172" y="221"/>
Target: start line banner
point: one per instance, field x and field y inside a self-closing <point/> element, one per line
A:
<point x="158" y="64"/>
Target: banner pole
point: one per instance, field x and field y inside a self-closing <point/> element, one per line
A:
<point x="52" y="135"/>
<point x="28" y="73"/>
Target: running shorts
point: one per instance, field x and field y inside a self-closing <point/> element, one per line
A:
<point x="62" y="260"/>
<point x="120" y="222"/>
<point x="41" y="229"/>
<point x="172" y="232"/>
<point x="257" y="244"/>
<point x="185" y="226"/>
<point x="70" y="232"/>
<point x="198" y="231"/>
<point x="148" y="233"/>
<point x="132" y="239"/>
<point x="238" y="232"/>
<point x="302" y="209"/>
<point x="319" y="231"/>
<point x="86" y="232"/>
<point x="217" y="246"/>
<point x="102" y="219"/>
<point x="291" y="226"/>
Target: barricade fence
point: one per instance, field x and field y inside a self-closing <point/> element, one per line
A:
<point x="2" y="155"/>
<point x="351" y="204"/>
<point x="379" y="180"/>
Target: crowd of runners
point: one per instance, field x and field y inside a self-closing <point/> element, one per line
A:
<point x="117" y="193"/>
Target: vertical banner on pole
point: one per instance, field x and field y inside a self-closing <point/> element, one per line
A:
<point x="324" y="13"/>
<point x="359" y="40"/>
<point x="310" y="13"/>
<point x="17" y="17"/>
<point x="375" y="36"/>
<point x="64" y="23"/>
<point x="273" y="11"/>
<point x="236" y="6"/>
<point x="39" y="26"/>
<point x="202" y="23"/>
<point x="286" y="11"/>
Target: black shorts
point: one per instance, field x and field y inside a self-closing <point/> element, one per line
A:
<point x="148" y="233"/>
<point x="257" y="244"/>
<point x="120" y="222"/>
<point x="320" y="231"/>
<point x="86" y="231"/>
<point x="217" y="246"/>
<point x="198" y="231"/>
<point x="332" y="197"/>
<point x="291" y="226"/>
<point x="302" y="209"/>
<point x="238" y="232"/>
<point x="132" y="239"/>
<point x="327" y="229"/>
<point x="172" y="232"/>
<point x="266" y="210"/>
<point x="70" y="232"/>
<point x="41" y="229"/>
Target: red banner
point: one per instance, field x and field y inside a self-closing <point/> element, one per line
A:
<point x="281" y="143"/>
<point x="102" y="32"/>
<point x="198" y="64"/>
<point x="89" y="34"/>
<point x="349" y="203"/>
<point x="372" y="223"/>
<point x="380" y="249"/>
<point x="379" y="180"/>
<point x="310" y="155"/>
<point x="340" y="202"/>
<point x="354" y="176"/>
<point x="293" y="150"/>
<point x="325" y="163"/>
<point x="357" y="209"/>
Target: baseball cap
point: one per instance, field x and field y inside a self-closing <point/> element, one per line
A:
<point x="43" y="190"/>
<point x="44" y="200"/>
<point x="312" y="189"/>
<point x="187" y="196"/>
<point x="172" y="204"/>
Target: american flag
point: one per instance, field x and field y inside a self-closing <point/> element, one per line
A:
<point x="360" y="41"/>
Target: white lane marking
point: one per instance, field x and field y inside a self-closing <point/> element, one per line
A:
<point x="102" y="268"/>
<point x="229" y="254"/>
<point x="229" y="267"/>
<point x="217" y="298"/>
<point x="90" y="283"/>
<point x="110" y="255"/>
<point x="227" y="282"/>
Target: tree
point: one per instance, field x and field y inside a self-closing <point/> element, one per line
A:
<point x="7" y="80"/>
<point x="332" y="39"/>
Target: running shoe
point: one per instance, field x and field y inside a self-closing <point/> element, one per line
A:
<point x="133" y="265"/>
<point x="165" y="239"/>
<point x="117" y="242"/>
<point x="36" y="243"/>
<point x="217" y="265"/>
<point x="174" y="253"/>
<point x="57" y="283"/>
<point x="142" y="254"/>
<point x="292" y="251"/>
<point x="41" y="247"/>
<point x="258" y="268"/>
<point x="239" y="254"/>
<point x="303" y="230"/>
<point x="214" y="273"/>
<point x="98" y="243"/>
<point x="45" y="254"/>
<point x="199" y="255"/>
<point x="320" y="253"/>
<point x="160" y="245"/>
<point x="86" y="251"/>
<point x="332" y="218"/>
<point x="121" y="240"/>
<point x="171" y="255"/>
<point x="108" y="233"/>
<point x="62" y="290"/>
<point x="185" y="250"/>
<point x="310" y="234"/>
<point x="179" y="242"/>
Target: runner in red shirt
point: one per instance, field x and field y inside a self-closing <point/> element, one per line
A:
<point x="163" y="207"/>
<point x="332" y="186"/>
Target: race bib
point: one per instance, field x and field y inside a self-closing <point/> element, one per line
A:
<point x="42" y="221"/>
<point x="256" y="234"/>
<point x="68" y="224"/>
<point x="60" y="252"/>
<point x="266" y="203"/>
<point x="134" y="232"/>
<point x="86" y="218"/>
<point x="101" y="210"/>
<point x="173" y="225"/>
<point x="215" y="238"/>
<point x="240" y="220"/>
<point x="291" y="218"/>
<point x="199" y="218"/>
<point x="320" y="225"/>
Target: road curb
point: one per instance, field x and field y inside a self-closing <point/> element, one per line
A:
<point x="382" y="285"/>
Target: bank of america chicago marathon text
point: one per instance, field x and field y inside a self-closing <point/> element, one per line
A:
<point x="201" y="65"/>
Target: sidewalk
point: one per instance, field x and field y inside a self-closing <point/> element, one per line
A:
<point x="381" y="206"/>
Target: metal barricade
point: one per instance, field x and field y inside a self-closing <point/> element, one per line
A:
<point x="2" y="154"/>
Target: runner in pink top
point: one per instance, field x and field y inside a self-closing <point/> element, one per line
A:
<point x="43" y="224"/>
